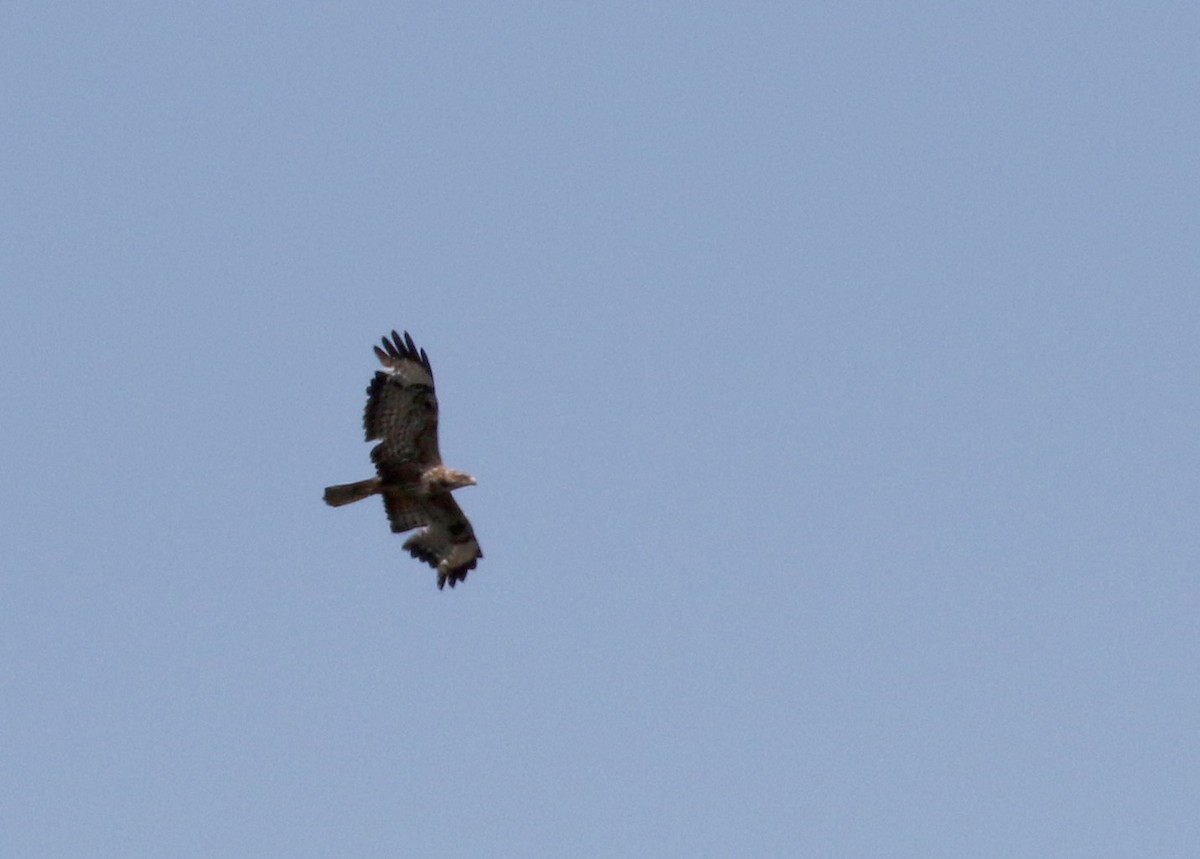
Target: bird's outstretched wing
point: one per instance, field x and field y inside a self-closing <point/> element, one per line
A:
<point x="402" y="411"/>
<point x="448" y="544"/>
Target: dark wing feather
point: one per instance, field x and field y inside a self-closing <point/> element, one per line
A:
<point x="402" y="411"/>
<point x="404" y="510"/>
<point x="448" y="544"/>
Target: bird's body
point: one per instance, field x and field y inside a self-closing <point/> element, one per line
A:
<point x="402" y="413"/>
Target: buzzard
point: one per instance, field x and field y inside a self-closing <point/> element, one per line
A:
<point x="402" y="411"/>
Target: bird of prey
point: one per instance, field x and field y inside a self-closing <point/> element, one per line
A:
<point x="402" y="413"/>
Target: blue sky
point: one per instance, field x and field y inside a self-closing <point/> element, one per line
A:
<point x="829" y="373"/>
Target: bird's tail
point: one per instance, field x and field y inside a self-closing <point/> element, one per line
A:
<point x="348" y="493"/>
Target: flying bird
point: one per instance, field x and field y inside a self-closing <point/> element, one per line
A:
<point x="402" y="412"/>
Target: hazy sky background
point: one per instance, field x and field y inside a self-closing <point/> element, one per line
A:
<point x="829" y="371"/>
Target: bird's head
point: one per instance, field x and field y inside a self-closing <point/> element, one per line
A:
<point x="451" y="479"/>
